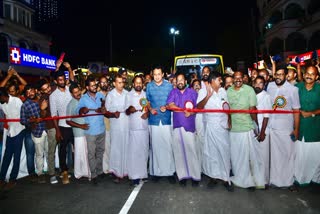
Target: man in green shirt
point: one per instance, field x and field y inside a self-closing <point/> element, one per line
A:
<point x="246" y="162"/>
<point x="307" y="162"/>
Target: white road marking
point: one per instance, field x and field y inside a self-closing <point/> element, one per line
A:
<point x="126" y="207"/>
<point x="303" y="202"/>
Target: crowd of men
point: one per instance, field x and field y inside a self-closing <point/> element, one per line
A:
<point x="150" y="131"/>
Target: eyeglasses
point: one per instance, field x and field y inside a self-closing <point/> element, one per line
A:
<point x="280" y="75"/>
<point x="103" y="83"/>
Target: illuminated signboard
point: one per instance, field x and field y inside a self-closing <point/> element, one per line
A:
<point x="24" y="57"/>
<point x="197" y="61"/>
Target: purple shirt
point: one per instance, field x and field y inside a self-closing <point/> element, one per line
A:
<point x="179" y="99"/>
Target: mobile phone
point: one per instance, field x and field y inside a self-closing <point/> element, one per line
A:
<point x="293" y="138"/>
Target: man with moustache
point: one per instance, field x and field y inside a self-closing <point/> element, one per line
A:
<point x="263" y="103"/>
<point x="104" y="89"/>
<point x="246" y="164"/>
<point x="228" y="81"/>
<point x="284" y="129"/>
<point x="307" y="162"/>
<point x="30" y="116"/>
<point x="138" y="148"/>
<point x="91" y="103"/>
<point x="59" y="100"/>
<point x="81" y="165"/>
<point x="184" y="145"/>
<point x="216" y="149"/>
<point x="45" y="90"/>
<point x="161" y="154"/>
<point x="119" y="129"/>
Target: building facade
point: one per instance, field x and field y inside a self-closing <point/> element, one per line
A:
<point x="288" y="26"/>
<point x="17" y="28"/>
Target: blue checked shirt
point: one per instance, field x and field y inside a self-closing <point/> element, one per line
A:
<point x="31" y="109"/>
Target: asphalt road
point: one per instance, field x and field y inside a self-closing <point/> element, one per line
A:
<point x="80" y="196"/>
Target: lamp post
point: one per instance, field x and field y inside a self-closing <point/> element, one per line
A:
<point x="174" y="32"/>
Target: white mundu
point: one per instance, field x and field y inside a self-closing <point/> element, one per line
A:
<point x="138" y="147"/>
<point x="281" y="126"/>
<point x="264" y="103"/>
<point x="119" y="133"/>
<point x="216" y="149"/>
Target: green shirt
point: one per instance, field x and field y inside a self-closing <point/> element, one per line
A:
<point x="242" y="99"/>
<point x="310" y="101"/>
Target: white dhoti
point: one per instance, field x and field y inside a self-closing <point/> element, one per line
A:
<point x="200" y="136"/>
<point x="23" y="170"/>
<point x="161" y="154"/>
<point x="81" y="163"/>
<point x="264" y="148"/>
<point x="118" y="151"/>
<point x="307" y="162"/>
<point x="186" y="155"/>
<point x="138" y="152"/>
<point x="246" y="161"/>
<point x="106" y="154"/>
<point x="282" y="150"/>
<point x="216" y="161"/>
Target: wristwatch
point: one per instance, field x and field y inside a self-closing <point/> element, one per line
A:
<point x="313" y="115"/>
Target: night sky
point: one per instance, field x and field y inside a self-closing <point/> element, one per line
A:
<point x="140" y="31"/>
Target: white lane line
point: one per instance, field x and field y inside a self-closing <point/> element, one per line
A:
<point x="126" y="207"/>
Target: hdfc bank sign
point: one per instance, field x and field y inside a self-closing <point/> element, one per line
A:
<point x="20" y="56"/>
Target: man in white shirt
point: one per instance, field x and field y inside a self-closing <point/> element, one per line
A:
<point x="138" y="148"/>
<point x="59" y="100"/>
<point x="263" y="103"/>
<point x="11" y="107"/>
<point x="284" y="130"/>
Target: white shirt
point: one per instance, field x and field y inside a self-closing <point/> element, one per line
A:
<point x="117" y="102"/>
<point x="135" y="120"/>
<point x="264" y="103"/>
<point x="287" y="97"/>
<point x="58" y="104"/>
<point x="12" y="111"/>
<point x="214" y="102"/>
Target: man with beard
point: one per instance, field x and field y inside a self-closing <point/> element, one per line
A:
<point x="92" y="102"/>
<point x="81" y="165"/>
<point x="119" y="129"/>
<point x="104" y="89"/>
<point x="307" y="162"/>
<point x="138" y="148"/>
<point x="45" y="90"/>
<point x="184" y="144"/>
<point x="265" y="74"/>
<point x="200" y="121"/>
<point x="246" y="164"/>
<point x="284" y="129"/>
<point x="59" y="100"/>
<point x="216" y="149"/>
<point x="11" y="107"/>
<point x="161" y="154"/>
<point x="263" y="103"/>
<point x="30" y="116"/>
<point x="228" y="81"/>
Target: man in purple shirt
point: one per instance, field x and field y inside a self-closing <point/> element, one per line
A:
<point x="184" y="143"/>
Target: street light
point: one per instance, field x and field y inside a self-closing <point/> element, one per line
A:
<point x="174" y="32"/>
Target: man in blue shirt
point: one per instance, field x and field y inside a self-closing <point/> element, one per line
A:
<point x="161" y="157"/>
<point x="92" y="102"/>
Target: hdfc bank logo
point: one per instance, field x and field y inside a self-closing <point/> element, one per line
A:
<point x="15" y="55"/>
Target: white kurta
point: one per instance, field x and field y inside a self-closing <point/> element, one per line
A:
<point x="216" y="161"/>
<point x="185" y="154"/>
<point x="247" y="164"/>
<point x="138" y="146"/>
<point x="281" y="126"/>
<point x="119" y="133"/>
<point x="81" y="163"/>
<point x="307" y="162"/>
<point x="264" y="103"/>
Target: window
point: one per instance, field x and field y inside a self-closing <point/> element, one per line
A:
<point x="293" y="11"/>
<point x="7" y="11"/>
<point x="4" y="49"/>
